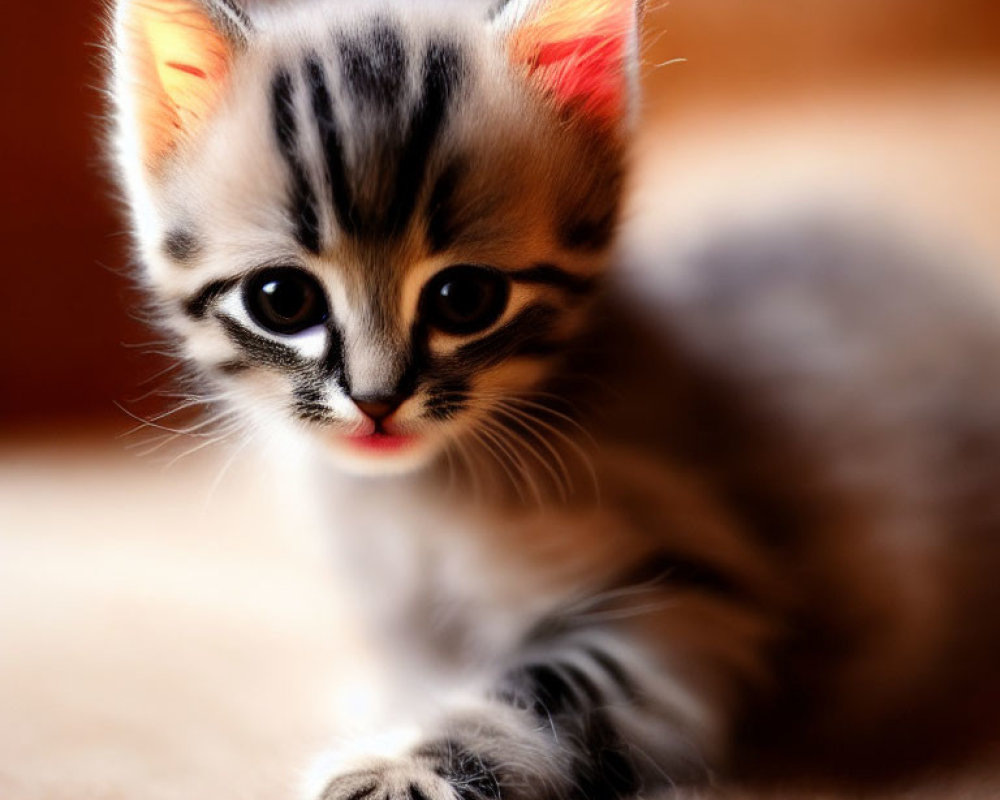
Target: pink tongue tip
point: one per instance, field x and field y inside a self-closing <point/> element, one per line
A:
<point x="381" y="441"/>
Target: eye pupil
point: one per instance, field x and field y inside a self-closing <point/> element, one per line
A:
<point x="285" y="300"/>
<point x="465" y="299"/>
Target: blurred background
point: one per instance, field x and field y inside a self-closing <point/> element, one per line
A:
<point x="157" y="638"/>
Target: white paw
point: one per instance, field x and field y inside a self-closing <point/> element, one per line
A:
<point x="438" y="769"/>
<point x="405" y="779"/>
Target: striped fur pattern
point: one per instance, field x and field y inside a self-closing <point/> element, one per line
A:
<point x="387" y="144"/>
<point x="640" y="538"/>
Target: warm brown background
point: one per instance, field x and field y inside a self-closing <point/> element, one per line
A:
<point x="66" y="342"/>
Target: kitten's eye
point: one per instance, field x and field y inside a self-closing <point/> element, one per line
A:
<point x="285" y="300"/>
<point x="465" y="299"/>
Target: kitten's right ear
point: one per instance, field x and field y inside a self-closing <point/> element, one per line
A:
<point x="583" y="54"/>
<point x="173" y="59"/>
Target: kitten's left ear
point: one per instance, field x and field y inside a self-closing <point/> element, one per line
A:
<point x="173" y="61"/>
<point x="582" y="53"/>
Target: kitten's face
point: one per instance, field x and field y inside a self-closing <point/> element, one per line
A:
<point x="372" y="226"/>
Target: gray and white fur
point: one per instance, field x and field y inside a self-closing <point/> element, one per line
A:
<point x="655" y="523"/>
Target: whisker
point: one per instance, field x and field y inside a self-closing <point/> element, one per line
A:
<point x="217" y="482"/>
<point x="557" y="479"/>
<point x="198" y="448"/>
<point x="563" y="480"/>
<point x="510" y="448"/>
<point x="584" y="457"/>
<point x="484" y="433"/>
<point x="150" y="423"/>
<point x="191" y="430"/>
<point x="162" y="441"/>
<point x="173" y="367"/>
<point x="470" y="470"/>
<point x="617" y="614"/>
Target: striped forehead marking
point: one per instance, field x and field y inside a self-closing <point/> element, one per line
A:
<point x="376" y="138"/>
<point x="331" y="141"/>
<point x="375" y="66"/>
<point x="303" y="202"/>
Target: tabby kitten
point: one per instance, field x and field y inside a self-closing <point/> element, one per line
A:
<point x="623" y="530"/>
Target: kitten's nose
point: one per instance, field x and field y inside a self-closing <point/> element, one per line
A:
<point x="379" y="407"/>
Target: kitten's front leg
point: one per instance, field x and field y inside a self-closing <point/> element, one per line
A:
<point x="461" y="760"/>
<point x="587" y="714"/>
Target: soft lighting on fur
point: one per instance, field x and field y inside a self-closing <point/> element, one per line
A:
<point x="181" y="62"/>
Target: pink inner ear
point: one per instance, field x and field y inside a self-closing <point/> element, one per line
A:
<point x="586" y="73"/>
<point x="180" y="63"/>
<point x="189" y="69"/>
<point x="576" y="50"/>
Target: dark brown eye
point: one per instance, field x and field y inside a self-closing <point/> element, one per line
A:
<point x="465" y="299"/>
<point x="285" y="300"/>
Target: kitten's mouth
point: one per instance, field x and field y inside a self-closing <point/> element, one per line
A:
<point x="378" y="452"/>
<point x="382" y="442"/>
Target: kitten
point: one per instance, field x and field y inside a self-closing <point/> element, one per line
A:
<point x="623" y="528"/>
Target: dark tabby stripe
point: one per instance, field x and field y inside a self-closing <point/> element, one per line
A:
<point x="309" y="391"/>
<point x="601" y="766"/>
<point x="442" y="218"/>
<point x="259" y="349"/>
<point x="556" y="277"/>
<point x="547" y="690"/>
<point x="197" y="305"/>
<point x="583" y="683"/>
<point x="497" y="7"/>
<point x="373" y="73"/>
<point x="375" y="66"/>
<point x="589" y="234"/>
<point x="443" y="72"/>
<point x="181" y="245"/>
<point x="312" y="412"/>
<point x="614" y="670"/>
<point x="527" y="334"/>
<point x="304" y="210"/>
<point x="333" y="362"/>
<point x="551" y="690"/>
<point x="332" y="144"/>
<point x="447" y="399"/>
<point x="308" y="400"/>
<point x="234" y="367"/>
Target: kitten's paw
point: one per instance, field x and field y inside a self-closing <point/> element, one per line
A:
<point x="440" y="770"/>
<point x="406" y="779"/>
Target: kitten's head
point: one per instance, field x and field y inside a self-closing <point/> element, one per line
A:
<point x="376" y="221"/>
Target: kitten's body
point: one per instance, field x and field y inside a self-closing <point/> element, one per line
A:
<point x="826" y="397"/>
<point x="837" y="389"/>
<point x="649" y="517"/>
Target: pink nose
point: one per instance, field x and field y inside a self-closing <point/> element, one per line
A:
<point x="378" y="408"/>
